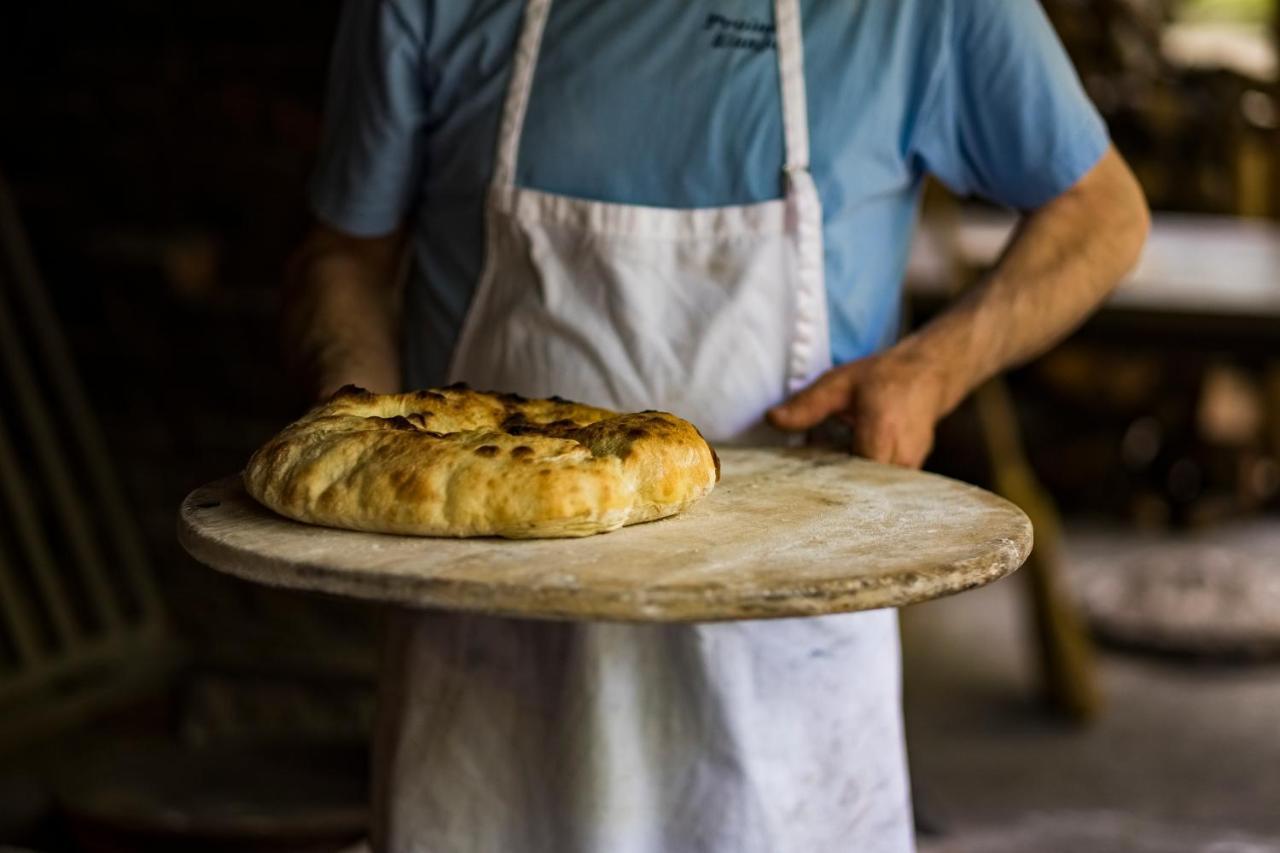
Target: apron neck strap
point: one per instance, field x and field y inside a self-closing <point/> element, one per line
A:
<point x="790" y="50"/>
<point x="522" y="66"/>
<point x="795" y="110"/>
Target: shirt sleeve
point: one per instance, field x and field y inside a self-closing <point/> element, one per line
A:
<point x="372" y="149"/>
<point x="1006" y="117"/>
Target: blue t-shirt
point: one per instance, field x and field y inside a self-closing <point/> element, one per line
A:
<point x="675" y="103"/>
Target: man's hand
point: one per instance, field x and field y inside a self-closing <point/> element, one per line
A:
<point x="890" y="401"/>
<point x="1063" y="260"/>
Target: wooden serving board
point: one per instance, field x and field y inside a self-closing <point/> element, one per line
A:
<point x="787" y="532"/>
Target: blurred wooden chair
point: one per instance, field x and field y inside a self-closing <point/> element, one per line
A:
<point x="1063" y="643"/>
<point x="83" y="631"/>
<point x="81" y="622"/>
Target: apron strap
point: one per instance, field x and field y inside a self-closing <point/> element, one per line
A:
<point x="795" y="111"/>
<point x="810" y="348"/>
<point x="513" y="110"/>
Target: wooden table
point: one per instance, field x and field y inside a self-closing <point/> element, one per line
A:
<point x="1202" y="281"/>
<point x="796" y="532"/>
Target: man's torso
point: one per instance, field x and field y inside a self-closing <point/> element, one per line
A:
<point x="675" y="105"/>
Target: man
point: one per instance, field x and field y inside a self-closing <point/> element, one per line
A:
<point x="703" y="207"/>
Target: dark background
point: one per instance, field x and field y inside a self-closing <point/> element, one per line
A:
<point x="158" y="153"/>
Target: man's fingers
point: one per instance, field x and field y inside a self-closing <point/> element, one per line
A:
<point x="810" y="407"/>
<point x="912" y="448"/>
<point x="907" y="457"/>
<point x="912" y="455"/>
<point x="872" y="440"/>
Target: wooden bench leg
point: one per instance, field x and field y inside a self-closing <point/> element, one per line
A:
<point x="1271" y="406"/>
<point x="1067" y="671"/>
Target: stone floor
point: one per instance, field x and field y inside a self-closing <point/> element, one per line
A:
<point x="1185" y="759"/>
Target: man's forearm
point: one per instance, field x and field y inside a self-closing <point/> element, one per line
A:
<point x="1062" y="262"/>
<point x="340" y="320"/>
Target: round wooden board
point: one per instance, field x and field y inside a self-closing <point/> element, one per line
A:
<point x="787" y="532"/>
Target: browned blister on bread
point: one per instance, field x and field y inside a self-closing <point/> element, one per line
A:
<point x="457" y="462"/>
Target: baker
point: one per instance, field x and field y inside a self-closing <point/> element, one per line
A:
<point x="611" y="202"/>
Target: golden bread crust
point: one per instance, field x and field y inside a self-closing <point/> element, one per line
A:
<point x="456" y="462"/>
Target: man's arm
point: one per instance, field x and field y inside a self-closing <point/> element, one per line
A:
<point x="340" y="321"/>
<point x="1063" y="260"/>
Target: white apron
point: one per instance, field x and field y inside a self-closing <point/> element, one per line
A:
<point x="511" y="735"/>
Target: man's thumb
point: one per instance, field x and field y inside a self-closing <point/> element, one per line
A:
<point x="810" y="407"/>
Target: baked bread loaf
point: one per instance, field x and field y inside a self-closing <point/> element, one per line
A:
<point x="457" y="462"/>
